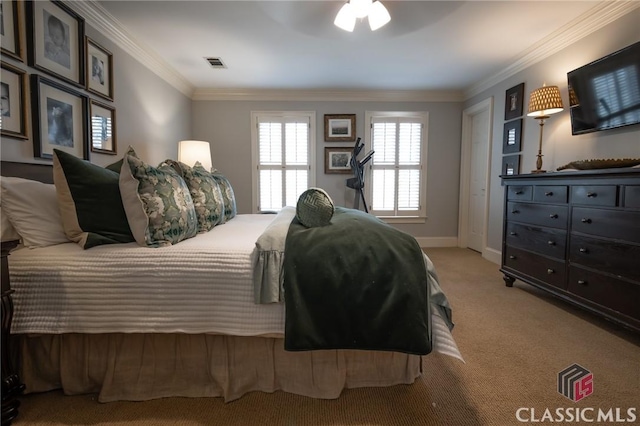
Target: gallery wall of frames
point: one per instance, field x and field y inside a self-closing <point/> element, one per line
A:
<point x="55" y="78"/>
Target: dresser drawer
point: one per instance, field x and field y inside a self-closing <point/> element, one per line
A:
<point x="550" y="194"/>
<point x="544" y="269"/>
<point x="617" y="224"/>
<point x="595" y="195"/>
<point x="606" y="256"/>
<point x="618" y="295"/>
<point x="553" y="216"/>
<point x="547" y="241"/>
<point x="632" y="196"/>
<point x="519" y="192"/>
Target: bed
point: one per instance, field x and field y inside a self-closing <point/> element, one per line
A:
<point x="138" y="323"/>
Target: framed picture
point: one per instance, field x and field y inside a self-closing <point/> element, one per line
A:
<point x="55" y="40"/>
<point x="337" y="160"/>
<point x="13" y="106"/>
<point x="340" y="127"/>
<point x="102" y="128"/>
<point x="511" y="165"/>
<point x="10" y="29"/>
<point x="514" y="100"/>
<point x="59" y="119"/>
<point x="99" y="68"/>
<point x="512" y="136"/>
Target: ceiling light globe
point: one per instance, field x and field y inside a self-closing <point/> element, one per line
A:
<point x="346" y="18"/>
<point x="378" y="16"/>
<point x="361" y="8"/>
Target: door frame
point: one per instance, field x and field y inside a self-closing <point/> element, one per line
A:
<point x="465" y="172"/>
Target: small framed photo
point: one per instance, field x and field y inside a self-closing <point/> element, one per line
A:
<point x="10" y="29"/>
<point x="13" y="106"/>
<point x="511" y="165"/>
<point x="512" y="136"/>
<point x="102" y="128"/>
<point x="55" y="39"/>
<point x="59" y="119"/>
<point x="340" y="127"/>
<point x="99" y="68"/>
<point x="337" y="160"/>
<point x="514" y="101"/>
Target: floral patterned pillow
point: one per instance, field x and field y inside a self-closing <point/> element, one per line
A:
<point x="157" y="202"/>
<point x="205" y="192"/>
<point x="230" y="209"/>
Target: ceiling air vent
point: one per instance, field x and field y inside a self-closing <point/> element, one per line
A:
<point x="215" y="62"/>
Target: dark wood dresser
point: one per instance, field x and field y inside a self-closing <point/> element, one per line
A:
<point x="577" y="235"/>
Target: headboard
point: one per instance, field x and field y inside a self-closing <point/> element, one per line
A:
<point x="39" y="172"/>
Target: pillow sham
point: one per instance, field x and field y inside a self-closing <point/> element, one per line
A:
<point x="230" y="208"/>
<point x="205" y="193"/>
<point x="90" y="202"/>
<point x="32" y="209"/>
<point x="9" y="233"/>
<point x="157" y="203"/>
<point x="314" y="208"/>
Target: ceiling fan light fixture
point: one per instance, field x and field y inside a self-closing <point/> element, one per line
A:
<point x="361" y="8"/>
<point x="378" y="16"/>
<point x="346" y="18"/>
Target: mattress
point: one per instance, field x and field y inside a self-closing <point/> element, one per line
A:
<point x="201" y="285"/>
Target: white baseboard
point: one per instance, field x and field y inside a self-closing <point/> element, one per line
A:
<point x="437" y="241"/>
<point x="492" y="255"/>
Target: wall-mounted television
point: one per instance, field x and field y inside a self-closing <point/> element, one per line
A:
<point x="605" y="94"/>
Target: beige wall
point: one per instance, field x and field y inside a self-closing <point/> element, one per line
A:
<point x="151" y="115"/>
<point x="226" y="124"/>
<point x="559" y="146"/>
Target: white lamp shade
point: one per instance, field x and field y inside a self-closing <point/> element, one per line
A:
<point x="191" y="151"/>
<point x="378" y="16"/>
<point x="361" y="7"/>
<point x="346" y="18"/>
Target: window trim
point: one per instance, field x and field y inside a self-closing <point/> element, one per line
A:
<point x="255" y="116"/>
<point x="419" y="216"/>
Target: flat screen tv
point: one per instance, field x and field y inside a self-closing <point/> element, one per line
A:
<point x="605" y="94"/>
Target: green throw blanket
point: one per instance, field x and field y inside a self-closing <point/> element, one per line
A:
<point x="357" y="283"/>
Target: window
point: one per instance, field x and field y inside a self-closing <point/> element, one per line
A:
<point x="283" y="147"/>
<point x="396" y="180"/>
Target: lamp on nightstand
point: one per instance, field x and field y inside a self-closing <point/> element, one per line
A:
<point x="543" y="102"/>
<point x="191" y="151"/>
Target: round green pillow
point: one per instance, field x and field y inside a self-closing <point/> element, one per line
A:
<point x="314" y="208"/>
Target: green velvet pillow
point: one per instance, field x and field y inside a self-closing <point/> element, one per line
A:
<point x="157" y="202"/>
<point x="230" y="208"/>
<point x="314" y="208"/>
<point x="205" y="192"/>
<point x="89" y="201"/>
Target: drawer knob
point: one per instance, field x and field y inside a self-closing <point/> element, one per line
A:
<point x="592" y="194"/>
<point x="512" y="257"/>
<point x="582" y="282"/>
<point x="553" y="216"/>
<point x="519" y="192"/>
<point x="514" y="211"/>
<point x="550" y="271"/>
<point x="513" y="233"/>
<point x="583" y="250"/>
<point x="551" y="243"/>
<point x="549" y="193"/>
<point x="586" y="220"/>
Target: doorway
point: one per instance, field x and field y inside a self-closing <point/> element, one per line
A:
<point x="474" y="175"/>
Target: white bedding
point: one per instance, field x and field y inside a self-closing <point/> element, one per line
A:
<point x="201" y="285"/>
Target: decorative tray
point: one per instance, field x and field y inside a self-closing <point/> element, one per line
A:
<point x="601" y="164"/>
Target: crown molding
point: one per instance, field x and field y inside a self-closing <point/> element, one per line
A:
<point x="100" y="19"/>
<point x="327" y="95"/>
<point x="589" y="22"/>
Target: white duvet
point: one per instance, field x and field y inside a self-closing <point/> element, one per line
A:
<point x="201" y="285"/>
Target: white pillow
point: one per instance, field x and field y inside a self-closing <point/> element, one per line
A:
<point x="9" y="233"/>
<point x="32" y="208"/>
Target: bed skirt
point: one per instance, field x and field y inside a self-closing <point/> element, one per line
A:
<point x="139" y="367"/>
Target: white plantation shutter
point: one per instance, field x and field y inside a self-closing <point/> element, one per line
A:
<point x="282" y="145"/>
<point x="612" y="101"/>
<point x="396" y="179"/>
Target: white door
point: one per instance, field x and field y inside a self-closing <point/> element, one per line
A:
<point x="478" y="180"/>
<point x="474" y="175"/>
